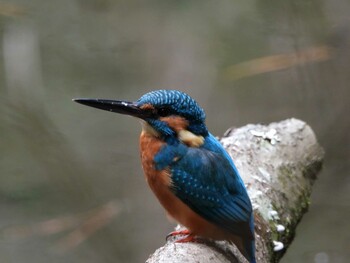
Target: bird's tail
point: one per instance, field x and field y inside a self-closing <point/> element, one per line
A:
<point x="249" y="250"/>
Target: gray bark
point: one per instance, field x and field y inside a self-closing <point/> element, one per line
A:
<point x="278" y="163"/>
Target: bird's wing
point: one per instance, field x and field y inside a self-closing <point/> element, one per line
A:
<point x="209" y="184"/>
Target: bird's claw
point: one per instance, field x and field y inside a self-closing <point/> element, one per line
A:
<point x="189" y="237"/>
<point x="184" y="232"/>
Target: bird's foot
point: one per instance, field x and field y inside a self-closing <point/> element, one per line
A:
<point x="183" y="232"/>
<point x="189" y="237"/>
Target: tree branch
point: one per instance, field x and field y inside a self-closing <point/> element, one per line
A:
<point x="279" y="163"/>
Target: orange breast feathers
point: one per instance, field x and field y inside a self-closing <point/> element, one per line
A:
<point x="149" y="147"/>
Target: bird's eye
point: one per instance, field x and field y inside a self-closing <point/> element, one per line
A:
<point x="164" y="111"/>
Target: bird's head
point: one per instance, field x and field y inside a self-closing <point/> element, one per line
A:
<point x="167" y="114"/>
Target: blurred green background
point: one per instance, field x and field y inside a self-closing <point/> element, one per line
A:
<point x="71" y="185"/>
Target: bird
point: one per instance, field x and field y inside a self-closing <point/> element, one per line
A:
<point x="187" y="168"/>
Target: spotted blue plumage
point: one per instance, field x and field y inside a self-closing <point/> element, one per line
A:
<point x="207" y="180"/>
<point x="180" y="104"/>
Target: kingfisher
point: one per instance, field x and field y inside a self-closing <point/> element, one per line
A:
<point x="187" y="168"/>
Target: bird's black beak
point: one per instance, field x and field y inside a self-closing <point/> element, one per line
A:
<point x="122" y="107"/>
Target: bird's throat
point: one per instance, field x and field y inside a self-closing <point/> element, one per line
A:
<point x="146" y="128"/>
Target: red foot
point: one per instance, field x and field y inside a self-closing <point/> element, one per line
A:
<point x="189" y="238"/>
<point x="180" y="232"/>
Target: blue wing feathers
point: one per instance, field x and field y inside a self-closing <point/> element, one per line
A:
<point x="207" y="181"/>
